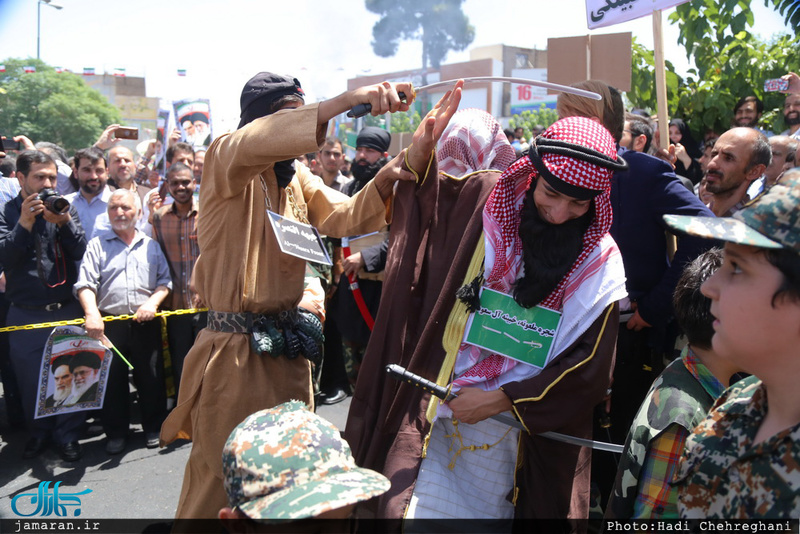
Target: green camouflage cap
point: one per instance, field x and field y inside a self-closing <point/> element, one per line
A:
<point x="771" y="220"/>
<point x="289" y="463"/>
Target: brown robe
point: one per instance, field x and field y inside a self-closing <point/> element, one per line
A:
<point x="241" y="268"/>
<point x="435" y="230"/>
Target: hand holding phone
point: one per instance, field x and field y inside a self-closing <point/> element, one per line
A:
<point x="776" y="84"/>
<point x="124" y="132"/>
<point x="10" y="144"/>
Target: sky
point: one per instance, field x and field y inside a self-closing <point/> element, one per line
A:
<point x="221" y="45"/>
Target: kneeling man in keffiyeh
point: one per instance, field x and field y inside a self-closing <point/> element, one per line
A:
<point x="514" y="296"/>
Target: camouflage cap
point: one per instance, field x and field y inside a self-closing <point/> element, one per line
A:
<point x="289" y="463"/>
<point x="771" y="220"/>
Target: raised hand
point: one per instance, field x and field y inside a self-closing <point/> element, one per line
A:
<point x="432" y="127"/>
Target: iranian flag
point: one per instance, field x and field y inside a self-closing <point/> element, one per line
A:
<point x="2" y="68"/>
<point x="181" y="72"/>
<point x="119" y="72"/>
<point x="29" y="69"/>
<point x="88" y="71"/>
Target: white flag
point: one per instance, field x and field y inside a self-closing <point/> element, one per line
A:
<point x="600" y="13"/>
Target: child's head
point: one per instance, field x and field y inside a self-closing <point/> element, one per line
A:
<point x="692" y="308"/>
<point x="756" y="293"/>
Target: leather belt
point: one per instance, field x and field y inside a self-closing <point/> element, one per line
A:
<point x="53" y="306"/>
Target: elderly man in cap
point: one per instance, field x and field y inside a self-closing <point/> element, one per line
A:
<point x="289" y="464"/>
<point x="530" y="242"/>
<point x="247" y="360"/>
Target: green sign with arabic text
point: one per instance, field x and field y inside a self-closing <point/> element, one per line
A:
<point x="504" y="327"/>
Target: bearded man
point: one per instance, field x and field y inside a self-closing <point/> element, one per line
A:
<point x="366" y="265"/>
<point x="245" y="279"/>
<point x="124" y="272"/>
<point x="85" y="369"/>
<point x="539" y="237"/>
<point x="62" y="378"/>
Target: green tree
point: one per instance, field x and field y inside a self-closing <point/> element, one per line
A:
<point x="729" y="63"/>
<point x="531" y="119"/>
<point x="51" y="106"/>
<point x="439" y="24"/>
<point x="405" y="122"/>
<point x="789" y="10"/>
<point x="643" y="80"/>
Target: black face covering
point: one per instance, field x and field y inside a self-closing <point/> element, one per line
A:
<point x="548" y="251"/>
<point x="284" y="172"/>
<point x="364" y="173"/>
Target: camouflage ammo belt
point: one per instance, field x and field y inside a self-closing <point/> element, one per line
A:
<point x="290" y="333"/>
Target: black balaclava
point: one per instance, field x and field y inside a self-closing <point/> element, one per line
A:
<point x="258" y="95"/>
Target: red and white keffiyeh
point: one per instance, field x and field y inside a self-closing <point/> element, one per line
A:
<point x="473" y="141"/>
<point x="596" y="278"/>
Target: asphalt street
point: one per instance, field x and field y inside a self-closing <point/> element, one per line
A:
<point x="140" y="483"/>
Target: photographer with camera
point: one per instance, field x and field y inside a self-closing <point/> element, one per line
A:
<point x="41" y="241"/>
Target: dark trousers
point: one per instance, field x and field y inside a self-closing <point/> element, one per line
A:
<point x="637" y="364"/>
<point x="140" y="343"/>
<point x="334" y="375"/>
<point x="182" y="331"/>
<point x="11" y="396"/>
<point x="26" y="350"/>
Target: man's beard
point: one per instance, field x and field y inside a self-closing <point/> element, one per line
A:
<point x="80" y="389"/>
<point x="792" y="119"/>
<point x="364" y="173"/>
<point x="548" y="251"/>
<point x="720" y="186"/>
<point x="91" y="189"/>
<point x="60" y="394"/>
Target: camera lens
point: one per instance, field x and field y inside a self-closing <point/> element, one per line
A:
<point x="57" y="204"/>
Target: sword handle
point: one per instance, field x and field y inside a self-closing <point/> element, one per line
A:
<point x="399" y="373"/>
<point x="362" y="109"/>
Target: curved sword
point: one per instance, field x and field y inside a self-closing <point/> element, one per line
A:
<point x="362" y="109"/>
<point x="399" y="373"/>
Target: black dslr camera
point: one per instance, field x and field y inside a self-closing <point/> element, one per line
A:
<point x="53" y="201"/>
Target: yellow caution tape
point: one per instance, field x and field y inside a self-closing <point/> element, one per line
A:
<point x="124" y="317"/>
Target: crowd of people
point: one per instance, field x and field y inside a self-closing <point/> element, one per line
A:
<point x="666" y="345"/>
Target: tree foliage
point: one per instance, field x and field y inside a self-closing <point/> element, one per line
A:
<point x="789" y="10"/>
<point x="51" y="106"/>
<point x="439" y="24"/>
<point x="531" y="119"/>
<point x="729" y="62"/>
<point x="643" y="80"/>
<point x="405" y="122"/>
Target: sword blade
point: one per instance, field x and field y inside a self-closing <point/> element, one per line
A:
<point x="362" y="109"/>
<point x="509" y="79"/>
<point x="400" y="373"/>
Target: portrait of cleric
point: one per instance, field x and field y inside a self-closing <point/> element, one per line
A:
<point x="73" y="381"/>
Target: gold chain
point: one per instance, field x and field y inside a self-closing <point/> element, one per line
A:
<point x="462" y="447"/>
<point x="297" y="211"/>
<point x="123" y="317"/>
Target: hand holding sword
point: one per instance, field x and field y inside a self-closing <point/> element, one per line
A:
<point x="363" y="109"/>
<point x="399" y="373"/>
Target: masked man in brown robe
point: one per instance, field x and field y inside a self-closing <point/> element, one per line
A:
<point x="247" y="282"/>
<point x="537" y="234"/>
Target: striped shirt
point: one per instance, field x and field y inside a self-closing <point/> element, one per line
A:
<point x="178" y="239"/>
